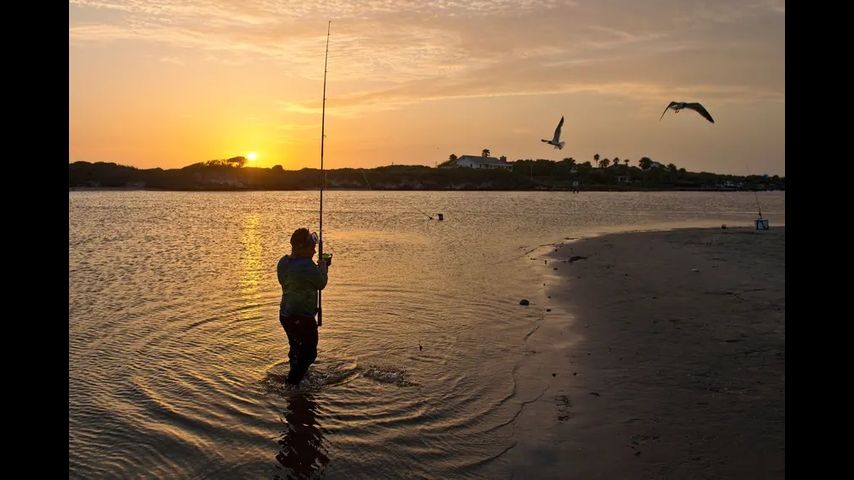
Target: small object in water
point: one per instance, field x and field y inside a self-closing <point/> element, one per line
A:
<point x="524" y="302"/>
<point x="554" y="374"/>
<point x="695" y="269"/>
<point x="420" y="347"/>
<point x="548" y="309"/>
<point x="576" y="257"/>
<point x="594" y="393"/>
<point x="574" y="373"/>
<point x="545" y="262"/>
<point x="440" y="217"/>
<point x="723" y="227"/>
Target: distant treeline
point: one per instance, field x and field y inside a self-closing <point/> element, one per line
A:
<point x="525" y="175"/>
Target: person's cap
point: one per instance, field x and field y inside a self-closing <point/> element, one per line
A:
<point x="302" y="238"/>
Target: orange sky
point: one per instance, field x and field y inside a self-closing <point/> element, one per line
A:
<point x="157" y="83"/>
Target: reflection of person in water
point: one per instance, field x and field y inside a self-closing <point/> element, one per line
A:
<point x="302" y="441"/>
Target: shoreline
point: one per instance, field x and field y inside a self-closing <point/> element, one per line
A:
<point x="349" y="189"/>
<point x="667" y="356"/>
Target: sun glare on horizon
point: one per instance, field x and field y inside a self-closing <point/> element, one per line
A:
<point x="251" y="156"/>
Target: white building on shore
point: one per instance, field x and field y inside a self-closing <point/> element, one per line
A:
<point x="473" y="161"/>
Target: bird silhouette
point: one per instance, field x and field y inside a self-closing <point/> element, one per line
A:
<point x="676" y="106"/>
<point x="556" y="140"/>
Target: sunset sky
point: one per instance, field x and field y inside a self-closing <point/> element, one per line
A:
<point x="155" y="83"/>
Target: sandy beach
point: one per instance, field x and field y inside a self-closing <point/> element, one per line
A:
<point x="668" y="358"/>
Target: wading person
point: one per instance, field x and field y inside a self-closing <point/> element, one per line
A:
<point x="301" y="280"/>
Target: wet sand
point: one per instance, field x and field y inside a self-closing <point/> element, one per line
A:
<point x="670" y="359"/>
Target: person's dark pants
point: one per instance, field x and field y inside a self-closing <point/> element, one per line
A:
<point x="302" y="338"/>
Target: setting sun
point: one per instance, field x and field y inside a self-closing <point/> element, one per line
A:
<point x="251" y="156"/>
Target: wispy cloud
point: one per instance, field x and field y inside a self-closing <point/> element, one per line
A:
<point x="173" y="60"/>
<point x="400" y="39"/>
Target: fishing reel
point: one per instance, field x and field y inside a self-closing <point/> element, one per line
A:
<point x="327" y="257"/>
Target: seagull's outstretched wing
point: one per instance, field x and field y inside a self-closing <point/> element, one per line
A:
<point x="665" y="110"/>
<point x="556" y="138"/>
<point x="699" y="109"/>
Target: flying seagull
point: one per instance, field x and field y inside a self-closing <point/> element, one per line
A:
<point x="676" y="106"/>
<point x="556" y="140"/>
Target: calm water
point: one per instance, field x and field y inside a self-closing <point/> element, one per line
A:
<point x="177" y="356"/>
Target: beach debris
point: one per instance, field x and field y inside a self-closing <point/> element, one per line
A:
<point x="594" y="393"/>
<point x="576" y="258"/>
<point x="555" y="141"/>
<point x="676" y="106"/>
<point x="548" y="309"/>
<point x="524" y="301"/>
<point x="563" y="405"/>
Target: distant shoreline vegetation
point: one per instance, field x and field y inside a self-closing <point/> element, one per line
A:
<point x="232" y="175"/>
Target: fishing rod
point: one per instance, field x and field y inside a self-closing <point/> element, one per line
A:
<point x="428" y="216"/>
<point x="371" y="188"/>
<point x="755" y="195"/>
<point x="322" y="176"/>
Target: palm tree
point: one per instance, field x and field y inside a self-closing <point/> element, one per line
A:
<point x="452" y="157"/>
<point x="596" y="157"/>
<point x="644" y="163"/>
<point x="485" y="152"/>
